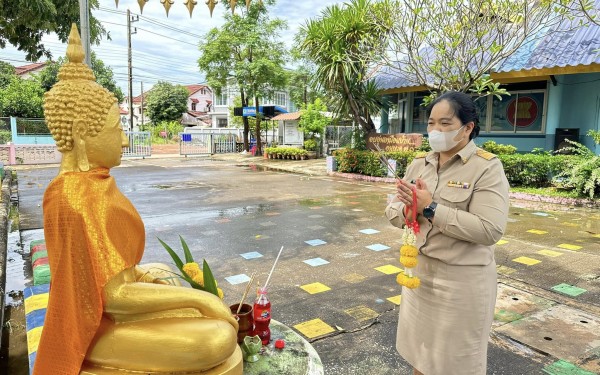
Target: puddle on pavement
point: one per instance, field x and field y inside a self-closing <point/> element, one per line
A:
<point x="184" y="185"/>
<point x="242" y="211"/>
<point x="18" y="273"/>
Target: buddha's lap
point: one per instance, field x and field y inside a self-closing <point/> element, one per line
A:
<point x="168" y="344"/>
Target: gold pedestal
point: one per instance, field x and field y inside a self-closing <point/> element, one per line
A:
<point x="232" y="366"/>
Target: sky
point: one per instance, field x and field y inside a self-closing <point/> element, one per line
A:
<point x="166" y="48"/>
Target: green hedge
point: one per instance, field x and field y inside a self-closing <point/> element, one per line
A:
<point x="369" y="163"/>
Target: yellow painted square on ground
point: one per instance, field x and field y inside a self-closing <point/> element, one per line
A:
<point x="36" y="302"/>
<point x="505" y="270"/>
<point x="315" y="288"/>
<point x="388" y="269"/>
<point x="314" y="328"/>
<point x="33" y="339"/>
<point x="526" y="260"/>
<point x="502" y="242"/>
<point x="396" y="299"/>
<point x="567" y="224"/>
<point x="568" y="246"/>
<point x="362" y="313"/>
<point x="550" y="253"/>
<point x="536" y="231"/>
<point x="353" y="278"/>
<point x="596" y="235"/>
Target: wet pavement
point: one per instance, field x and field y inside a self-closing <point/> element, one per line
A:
<point x="335" y="282"/>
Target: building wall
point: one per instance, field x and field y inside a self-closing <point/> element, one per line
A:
<point x="203" y="96"/>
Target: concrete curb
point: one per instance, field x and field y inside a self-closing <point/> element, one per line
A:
<point x="4" y="212"/>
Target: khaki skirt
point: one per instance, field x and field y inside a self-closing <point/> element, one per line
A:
<point x="444" y="324"/>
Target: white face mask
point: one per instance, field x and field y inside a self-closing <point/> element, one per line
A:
<point x="444" y="141"/>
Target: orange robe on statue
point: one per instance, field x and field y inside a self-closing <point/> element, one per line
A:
<point x="92" y="233"/>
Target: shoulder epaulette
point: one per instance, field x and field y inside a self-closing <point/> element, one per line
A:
<point x="485" y="154"/>
<point x="420" y="155"/>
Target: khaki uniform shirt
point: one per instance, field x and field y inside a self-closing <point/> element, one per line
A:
<point x="471" y="191"/>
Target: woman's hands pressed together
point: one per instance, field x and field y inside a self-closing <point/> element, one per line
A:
<point x="405" y="195"/>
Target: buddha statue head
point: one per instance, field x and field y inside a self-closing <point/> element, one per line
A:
<point x="83" y="117"/>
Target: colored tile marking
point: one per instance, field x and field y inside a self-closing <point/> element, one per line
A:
<point x="362" y="313"/>
<point x="569" y="246"/>
<point x="569" y="290"/>
<point x="388" y="269"/>
<point x="550" y="253"/>
<point x="237" y="279"/>
<point x="315" y="288"/>
<point x="315" y="262"/>
<point x="377" y="247"/>
<point x="562" y="367"/>
<point x="505" y="270"/>
<point x="396" y="299"/>
<point x="316" y="242"/>
<point x="502" y="242"/>
<point x="535" y="231"/>
<point x="527" y="261"/>
<point x="36" y="300"/>
<point x="314" y="328"/>
<point x="251" y="255"/>
<point x="369" y="231"/>
<point x="353" y="278"/>
<point x="541" y="214"/>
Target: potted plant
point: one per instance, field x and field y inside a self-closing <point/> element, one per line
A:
<point x="310" y="145"/>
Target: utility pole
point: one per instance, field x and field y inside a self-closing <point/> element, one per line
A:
<point x="142" y="108"/>
<point x="129" y="67"/>
<point x="84" y="29"/>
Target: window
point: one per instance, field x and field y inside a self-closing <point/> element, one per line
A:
<point x="193" y="106"/>
<point x="221" y="99"/>
<point x="522" y="111"/>
<point x="221" y="123"/>
<point x="280" y="99"/>
<point x="419" y="123"/>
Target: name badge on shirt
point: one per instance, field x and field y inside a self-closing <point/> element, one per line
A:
<point x="459" y="184"/>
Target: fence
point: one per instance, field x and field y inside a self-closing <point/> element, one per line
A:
<point x="206" y="143"/>
<point x="29" y="154"/>
<point x="337" y="137"/>
<point x="140" y="145"/>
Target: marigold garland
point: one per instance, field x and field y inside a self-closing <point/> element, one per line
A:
<point x="409" y="251"/>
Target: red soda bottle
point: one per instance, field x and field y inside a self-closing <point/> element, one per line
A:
<point x="262" y="316"/>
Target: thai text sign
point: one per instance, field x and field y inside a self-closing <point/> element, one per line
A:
<point x="394" y="142"/>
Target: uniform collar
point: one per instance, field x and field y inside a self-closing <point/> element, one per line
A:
<point x="465" y="153"/>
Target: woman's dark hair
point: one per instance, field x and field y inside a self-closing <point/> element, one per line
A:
<point x="463" y="106"/>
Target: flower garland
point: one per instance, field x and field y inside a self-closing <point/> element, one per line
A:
<point x="409" y="251"/>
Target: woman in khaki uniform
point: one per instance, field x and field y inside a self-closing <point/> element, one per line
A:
<point x="462" y="206"/>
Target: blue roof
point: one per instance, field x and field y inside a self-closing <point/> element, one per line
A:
<point x="566" y="44"/>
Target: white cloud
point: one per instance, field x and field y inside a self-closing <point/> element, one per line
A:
<point x="157" y="57"/>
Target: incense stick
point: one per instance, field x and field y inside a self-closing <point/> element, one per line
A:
<point x="246" y="292"/>
<point x="273" y="268"/>
<point x="383" y="159"/>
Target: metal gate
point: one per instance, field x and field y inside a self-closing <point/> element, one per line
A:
<point x="140" y="144"/>
<point x="206" y="144"/>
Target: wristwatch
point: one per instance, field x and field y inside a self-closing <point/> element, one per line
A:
<point x="429" y="211"/>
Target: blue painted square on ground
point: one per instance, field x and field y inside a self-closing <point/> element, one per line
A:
<point x="369" y="231"/>
<point x="541" y="214"/>
<point x="315" y="242"/>
<point x="377" y="247"/>
<point x="251" y="255"/>
<point x="316" y="262"/>
<point x="237" y="279"/>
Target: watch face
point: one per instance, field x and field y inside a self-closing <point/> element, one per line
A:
<point x="428" y="212"/>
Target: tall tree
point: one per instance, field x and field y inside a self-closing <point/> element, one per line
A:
<point x="166" y="102"/>
<point x="7" y="74"/>
<point x="22" y="98"/>
<point x="246" y="53"/>
<point x="344" y="43"/>
<point x="453" y="45"/>
<point x="104" y="75"/>
<point x="584" y="9"/>
<point x="25" y="22"/>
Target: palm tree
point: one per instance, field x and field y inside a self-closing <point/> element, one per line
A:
<point x="345" y="44"/>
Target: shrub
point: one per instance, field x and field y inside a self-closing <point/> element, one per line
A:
<point x="310" y="145"/>
<point x="583" y="177"/>
<point x="535" y="170"/>
<point x="368" y="162"/>
<point x="498" y="149"/>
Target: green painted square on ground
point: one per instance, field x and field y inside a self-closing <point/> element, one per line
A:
<point x="507" y="316"/>
<point x="565" y="368"/>
<point x="570" y="290"/>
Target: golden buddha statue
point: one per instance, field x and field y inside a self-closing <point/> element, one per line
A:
<point x="106" y="314"/>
